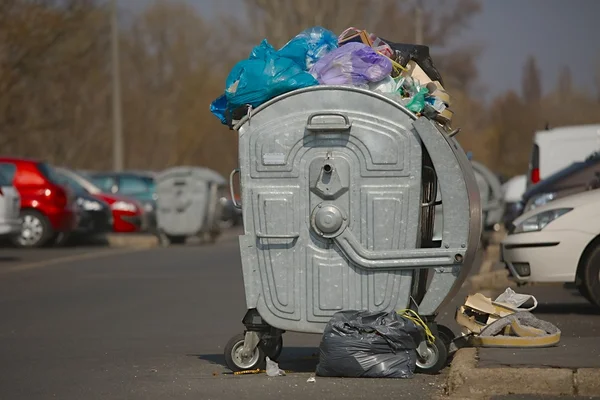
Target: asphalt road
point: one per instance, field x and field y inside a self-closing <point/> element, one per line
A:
<point x="149" y="325"/>
<point x="98" y="323"/>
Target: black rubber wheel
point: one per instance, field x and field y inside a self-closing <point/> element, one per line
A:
<point x="176" y="239"/>
<point x="583" y="291"/>
<point x="273" y="347"/>
<point x="590" y="274"/>
<point x="437" y="360"/>
<point x="234" y="361"/>
<point x="36" y="230"/>
<point x="446" y="334"/>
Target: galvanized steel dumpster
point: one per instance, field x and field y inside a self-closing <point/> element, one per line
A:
<point x="338" y="186"/>
<point x="188" y="203"/>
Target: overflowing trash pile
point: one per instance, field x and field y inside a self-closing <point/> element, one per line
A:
<point x="316" y="56"/>
<point x="504" y="322"/>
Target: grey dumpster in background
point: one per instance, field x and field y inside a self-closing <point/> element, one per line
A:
<point x="492" y="196"/>
<point x="338" y="188"/>
<point x="188" y="203"/>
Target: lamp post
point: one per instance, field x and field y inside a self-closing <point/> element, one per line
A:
<point x="116" y="92"/>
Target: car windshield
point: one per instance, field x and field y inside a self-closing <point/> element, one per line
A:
<point x="71" y="183"/>
<point x="83" y="180"/>
<point x="49" y="173"/>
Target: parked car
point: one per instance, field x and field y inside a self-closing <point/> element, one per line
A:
<point x="95" y="214"/>
<point x="47" y="208"/>
<point x="555" y="149"/>
<point x="558" y="242"/>
<point x="128" y="213"/>
<point x="139" y="185"/>
<point x="10" y="204"/>
<point x="576" y="178"/>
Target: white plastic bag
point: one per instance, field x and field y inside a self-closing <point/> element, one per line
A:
<point x="273" y="368"/>
<point x="514" y="300"/>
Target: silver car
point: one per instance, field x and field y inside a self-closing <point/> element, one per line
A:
<point x="10" y="203"/>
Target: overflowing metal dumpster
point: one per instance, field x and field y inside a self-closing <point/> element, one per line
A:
<point x="339" y="186"/>
<point x="188" y="203"/>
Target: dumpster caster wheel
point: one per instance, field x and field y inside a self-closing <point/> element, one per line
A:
<point x="435" y="359"/>
<point x="236" y="362"/>
<point x="446" y="334"/>
<point x="273" y="347"/>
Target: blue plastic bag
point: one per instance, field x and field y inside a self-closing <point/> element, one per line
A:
<point x="353" y="64"/>
<point x="218" y="107"/>
<point x="268" y="73"/>
<point x="309" y="46"/>
<point x="264" y="76"/>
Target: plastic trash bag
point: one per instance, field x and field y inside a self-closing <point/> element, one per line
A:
<point x="353" y="64"/>
<point x="263" y="76"/>
<point x="515" y="300"/>
<point x="273" y="368"/>
<point x="309" y="46"/>
<point x="417" y="101"/>
<point x="219" y="107"/>
<point x="370" y="345"/>
<point x="387" y="85"/>
<point x="419" y="54"/>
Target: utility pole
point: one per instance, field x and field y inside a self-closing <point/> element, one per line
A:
<point x="116" y="92"/>
<point x="418" y="25"/>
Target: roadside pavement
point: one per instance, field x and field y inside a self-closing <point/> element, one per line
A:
<point x="572" y="368"/>
<point x="152" y="324"/>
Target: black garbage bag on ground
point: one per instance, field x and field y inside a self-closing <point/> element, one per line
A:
<point x="369" y="345"/>
<point x="417" y="53"/>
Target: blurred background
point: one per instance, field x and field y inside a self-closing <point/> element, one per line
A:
<point x="513" y="67"/>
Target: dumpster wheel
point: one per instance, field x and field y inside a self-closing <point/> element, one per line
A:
<point x="436" y="358"/>
<point x="236" y="362"/>
<point x="272" y="347"/>
<point x="446" y="334"/>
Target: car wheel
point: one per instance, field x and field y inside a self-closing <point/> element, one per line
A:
<point x="591" y="276"/>
<point x="36" y="230"/>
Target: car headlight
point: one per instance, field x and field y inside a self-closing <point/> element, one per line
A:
<point x="124" y="206"/>
<point x="540" y="200"/>
<point x="89" y="205"/>
<point x="540" y="221"/>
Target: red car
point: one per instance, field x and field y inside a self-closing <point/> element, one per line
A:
<point x="128" y="214"/>
<point x="47" y="208"/>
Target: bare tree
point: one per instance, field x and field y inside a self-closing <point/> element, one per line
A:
<point x="565" y="81"/>
<point x="597" y="80"/>
<point x="531" y="85"/>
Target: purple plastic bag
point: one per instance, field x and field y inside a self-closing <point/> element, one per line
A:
<point x="353" y="64"/>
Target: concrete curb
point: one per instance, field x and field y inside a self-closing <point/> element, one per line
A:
<point x="465" y="379"/>
<point x="131" y="240"/>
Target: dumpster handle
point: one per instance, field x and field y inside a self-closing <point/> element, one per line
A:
<point x="231" y="191"/>
<point x="328" y="127"/>
<point x="267" y="236"/>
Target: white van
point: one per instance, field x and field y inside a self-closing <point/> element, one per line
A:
<point x="557" y="148"/>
